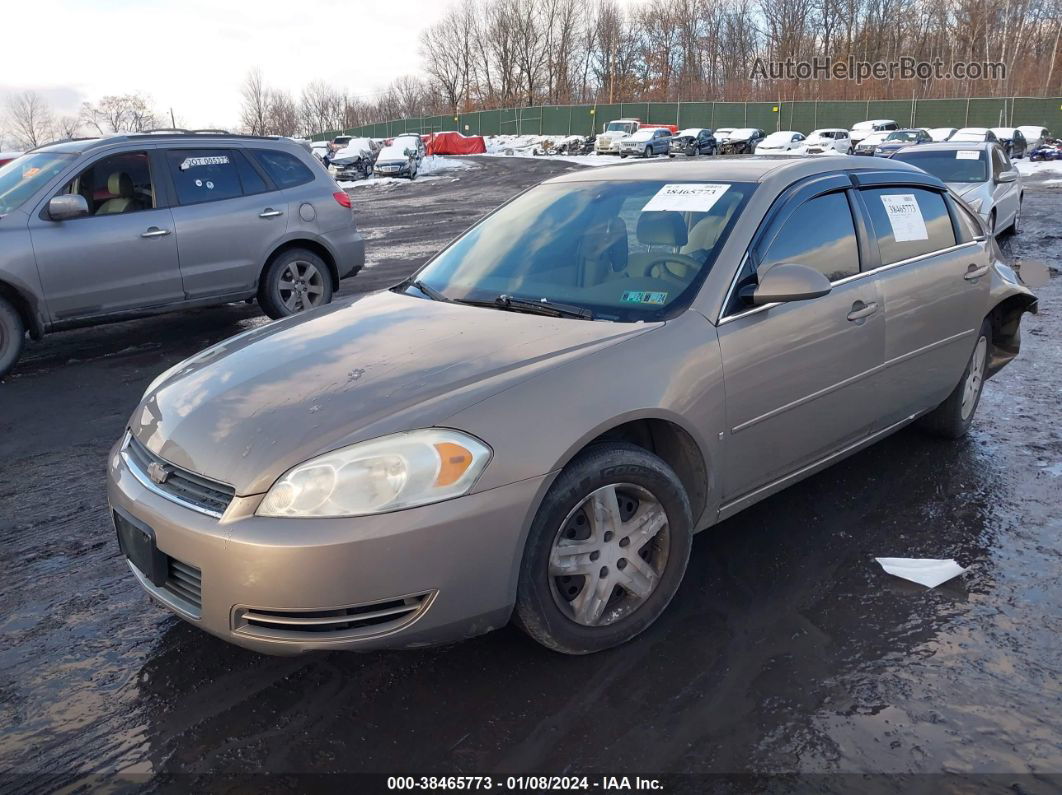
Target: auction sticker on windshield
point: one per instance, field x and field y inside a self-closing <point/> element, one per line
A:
<point x="966" y="154"/>
<point x="686" y="197"/>
<point x="905" y="216"/>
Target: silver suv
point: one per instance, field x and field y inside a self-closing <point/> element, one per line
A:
<point x="98" y="230"/>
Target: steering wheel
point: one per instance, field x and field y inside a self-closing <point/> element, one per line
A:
<point x="656" y="270"/>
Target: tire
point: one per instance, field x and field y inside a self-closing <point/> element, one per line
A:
<point x="12" y="336"/>
<point x="549" y="606"/>
<point x="648" y="152"/>
<point x="952" y="418"/>
<point x="992" y="223"/>
<point x="622" y="157"/>
<point x="1015" y="226"/>
<point x="281" y="295"/>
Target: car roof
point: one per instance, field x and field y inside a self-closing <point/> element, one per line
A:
<point x="80" y="145"/>
<point x="735" y="168"/>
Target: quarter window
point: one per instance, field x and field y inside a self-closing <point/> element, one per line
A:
<point x="819" y="234"/>
<point x="204" y="175"/>
<point x="285" y="170"/>
<point x="908" y="222"/>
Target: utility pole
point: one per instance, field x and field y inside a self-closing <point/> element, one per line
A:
<point x="173" y="121"/>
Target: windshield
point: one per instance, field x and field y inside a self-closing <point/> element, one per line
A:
<point x="619" y="126"/>
<point x="627" y="251"/>
<point x="642" y="135"/>
<point x="21" y="178"/>
<point x="949" y="165"/>
<point x="693" y="132"/>
<point x="821" y="135"/>
<point x="874" y="138"/>
<point x="969" y="135"/>
<point x="778" y="138"/>
<point x="744" y="132"/>
<point x="902" y="135"/>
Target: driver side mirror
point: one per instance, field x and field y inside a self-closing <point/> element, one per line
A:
<point x="63" y="208"/>
<point x="1007" y="176"/>
<point x="787" y="282"/>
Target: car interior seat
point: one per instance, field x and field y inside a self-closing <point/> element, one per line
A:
<point x="120" y="186"/>
<point x="664" y="230"/>
<point x="603" y="251"/>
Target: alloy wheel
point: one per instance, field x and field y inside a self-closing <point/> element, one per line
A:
<point x="301" y="286"/>
<point x="609" y="554"/>
<point x="972" y="388"/>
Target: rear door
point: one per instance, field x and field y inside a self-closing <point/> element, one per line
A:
<point x="122" y="255"/>
<point x="228" y="215"/>
<point x="932" y="275"/>
<point x="798" y="376"/>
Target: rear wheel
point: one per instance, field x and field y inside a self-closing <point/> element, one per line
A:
<point x="606" y="551"/>
<point x="295" y="281"/>
<point x="952" y="418"/>
<point x="12" y="336"/>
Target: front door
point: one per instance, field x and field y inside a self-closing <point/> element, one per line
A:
<point x="799" y="376"/>
<point x="121" y="256"/>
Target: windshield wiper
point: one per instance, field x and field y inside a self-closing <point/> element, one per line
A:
<point x="431" y="292"/>
<point x="543" y="307"/>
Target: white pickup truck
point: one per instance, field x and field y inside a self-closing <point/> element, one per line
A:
<point x="607" y="142"/>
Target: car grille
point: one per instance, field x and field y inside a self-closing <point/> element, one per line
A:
<point x="180" y="485"/>
<point x="186" y="583"/>
<point x="364" y="620"/>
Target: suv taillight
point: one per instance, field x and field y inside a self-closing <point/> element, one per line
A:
<point x="343" y="199"/>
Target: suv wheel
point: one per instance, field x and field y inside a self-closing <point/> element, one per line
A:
<point x="648" y="152"/>
<point x="295" y="280"/>
<point x="12" y="336"/>
<point x="952" y="418"/>
<point x="606" y="551"/>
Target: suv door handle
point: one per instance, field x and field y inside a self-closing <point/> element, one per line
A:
<point x="973" y="272"/>
<point x="269" y="212"/>
<point x="861" y="310"/>
<point x="154" y="231"/>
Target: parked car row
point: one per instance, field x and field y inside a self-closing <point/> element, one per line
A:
<point x="349" y="158"/>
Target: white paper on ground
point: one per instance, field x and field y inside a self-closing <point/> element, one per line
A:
<point x="924" y="571"/>
<point x="905" y="216"/>
<point x="686" y="197"/>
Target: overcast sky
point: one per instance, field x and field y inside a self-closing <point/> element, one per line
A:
<point x="193" y="55"/>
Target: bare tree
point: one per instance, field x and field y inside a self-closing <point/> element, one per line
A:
<point x="254" y="111"/>
<point x="117" y="114"/>
<point x="29" y="119"/>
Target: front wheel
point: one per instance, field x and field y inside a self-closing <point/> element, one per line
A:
<point x="295" y="281"/>
<point x="648" y="152"/>
<point x="12" y="336"/>
<point x="952" y="418"/>
<point x="606" y="551"/>
<point x="1015" y="227"/>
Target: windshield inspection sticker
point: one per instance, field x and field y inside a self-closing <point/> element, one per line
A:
<point x="216" y="160"/>
<point x="639" y="297"/>
<point x="686" y="197"/>
<point x="905" y="216"/>
<point x="966" y="154"/>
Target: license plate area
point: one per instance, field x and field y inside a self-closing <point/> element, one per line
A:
<point x="137" y="542"/>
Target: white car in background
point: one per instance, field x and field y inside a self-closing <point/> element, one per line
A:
<point x="971" y="135"/>
<point x="783" y="142"/>
<point x="320" y="149"/>
<point x="864" y="128"/>
<point x="412" y="141"/>
<point x="941" y="134"/>
<point x="828" y="140"/>
<point x="1034" y="135"/>
<point x="870" y="143"/>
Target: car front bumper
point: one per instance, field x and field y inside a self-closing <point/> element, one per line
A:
<point x="410" y="578"/>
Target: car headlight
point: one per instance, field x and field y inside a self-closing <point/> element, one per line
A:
<point x="402" y="470"/>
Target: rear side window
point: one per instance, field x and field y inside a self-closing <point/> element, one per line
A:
<point x="285" y="170"/>
<point x="908" y="222"/>
<point x="819" y="234"/>
<point x="204" y="175"/>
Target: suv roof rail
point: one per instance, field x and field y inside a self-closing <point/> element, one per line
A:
<point x="182" y="131"/>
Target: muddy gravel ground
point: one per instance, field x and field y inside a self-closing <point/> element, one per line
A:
<point x="787" y="650"/>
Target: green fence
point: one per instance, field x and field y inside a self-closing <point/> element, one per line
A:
<point x="802" y="116"/>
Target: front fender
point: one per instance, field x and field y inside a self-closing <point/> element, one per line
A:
<point x="1009" y="299"/>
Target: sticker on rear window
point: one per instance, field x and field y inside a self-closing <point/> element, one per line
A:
<point x="966" y="154"/>
<point x="639" y="297"/>
<point x="686" y="197"/>
<point x="905" y="216"/>
<point x="216" y="160"/>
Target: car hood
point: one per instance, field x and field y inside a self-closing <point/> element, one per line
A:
<point x="250" y="408"/>
<point x="965" y="189"/>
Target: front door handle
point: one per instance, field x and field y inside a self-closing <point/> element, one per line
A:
<point x="154" y="231"/>
<point x="269" y="212"/>
<point x="861" y="310"/>
<point x="974" y="272"/>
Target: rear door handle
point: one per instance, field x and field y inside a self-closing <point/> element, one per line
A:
<point x="861" y="310"/>
<point x="269" y="212"/>
<point x="154" y="231"/>
<point x="973" y="272"/>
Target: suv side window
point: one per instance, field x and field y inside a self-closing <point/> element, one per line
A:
<point x="284" y="169"/>
<point x="117" y="184"/>
<point x="820" y="234"/>
<point x="908" y="222"/>
<point x="204" y="175"/>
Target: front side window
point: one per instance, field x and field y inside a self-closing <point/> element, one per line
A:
<point x="625" y="250"/>
<point x="908" y="222"/>
<point x="204" y="175"/>
<point x="25" y="175"/>
<point x="115" y="185"/>
<point x="820" y="234"/>
<point x="285" y="170"/>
